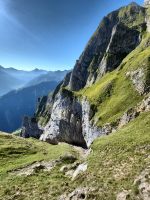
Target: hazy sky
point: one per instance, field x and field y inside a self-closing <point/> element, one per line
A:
<point x="49" y="34"/>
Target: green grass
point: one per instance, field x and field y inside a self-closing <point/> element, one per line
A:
<point x="132" y="18"/>
<point x="116" y="160"/>
<point x="114" y="163"/>
<point x="19" y="152"/>
<point x="16" y="153"/>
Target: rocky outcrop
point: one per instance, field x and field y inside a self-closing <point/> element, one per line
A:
<point x="132" y="113"/>
<point x="89" y="130"/>
<point x="77" y="194"/>
<point x="36" y="167"/>
<point x="65" y="124"/>
<point x="44" y="166"/>
<point x="71" y="122"/>
<point x="138" y="79"/>
<point x="73" y="170"/>
<point x="143" y="185"/>
<point x="124" y="195"/>
<point x="79" y="170"/>
<point x="30" y="128"/>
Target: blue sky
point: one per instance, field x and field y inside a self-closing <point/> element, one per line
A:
<point x="49" y="34"/>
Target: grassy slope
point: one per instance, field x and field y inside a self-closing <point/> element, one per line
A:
<point x="113" y="165"/>
<point x="16" y="152"/>
<point x="114" y="93"/>
<point x="119" y="158"/>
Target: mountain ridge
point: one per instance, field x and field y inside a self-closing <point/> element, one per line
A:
<point x="70" y="115"/>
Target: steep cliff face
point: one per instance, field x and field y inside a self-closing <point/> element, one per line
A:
<point x="103" y="85"/>
<point x="65" y="124"/>
<point x="123" y="41"/>
<point x="30" y="128"/>
<point x="117" y="35"/>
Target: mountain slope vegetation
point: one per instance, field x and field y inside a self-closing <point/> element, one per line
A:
<point x="115" y="162"/>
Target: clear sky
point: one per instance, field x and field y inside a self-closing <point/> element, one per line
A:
<point x="49" y="34"/>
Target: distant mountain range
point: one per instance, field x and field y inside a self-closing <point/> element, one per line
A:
<point x="51" y="75"/>
<point x="18" y="103"/>
<point x="23" y="89"/>
<point x="11" y="79"/>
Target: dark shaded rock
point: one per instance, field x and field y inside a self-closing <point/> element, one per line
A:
<point x="41" y="105"/>
<point x="123" y="41"/>
<point x="30" y="128"/>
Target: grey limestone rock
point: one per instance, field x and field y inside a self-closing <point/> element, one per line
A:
<point x="138" y="80"/>
<point x="65" y="122"/>
<point x="89" y="131"/>
<point x="30" y="128"/>
<point x="124" y="195"/>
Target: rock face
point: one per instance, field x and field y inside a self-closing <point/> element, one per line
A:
<point x="138" y="79"/>
<point x="89" y="130"/>
<point x="123" y="40"/>
<point x="71" y="122"/>
<point x="30" y="128"/>
<point x="65" y="124"/>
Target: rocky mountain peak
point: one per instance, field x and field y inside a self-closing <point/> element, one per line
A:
<point x="95" y="59"/>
